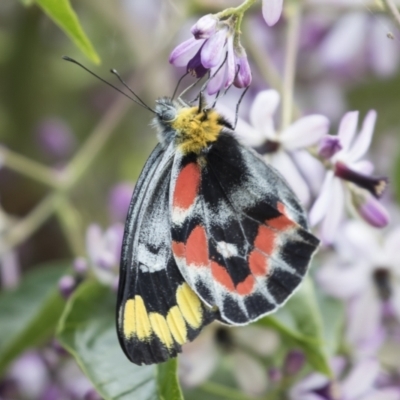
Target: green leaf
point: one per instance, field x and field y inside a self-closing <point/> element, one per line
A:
<point x="87" y="330"/>
<point x="29" y="314"/>
<point x="300" y="323"/>
<point x="62" y="14"/>
<point x="26" y="2"/>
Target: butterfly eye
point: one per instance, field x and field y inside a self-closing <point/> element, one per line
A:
<point x="168" y="114"/>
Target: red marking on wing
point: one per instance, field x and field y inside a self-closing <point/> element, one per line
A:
<point x="265" y="239"/>
<point x="197" y="247"/>
<point x="186" y="186"/>
<point x="220" y="274"/>
<point x="178" y="248"/>
<point x="247" y="286"/>
<point x="282" y="222"/>
<point x="258" y="263"/>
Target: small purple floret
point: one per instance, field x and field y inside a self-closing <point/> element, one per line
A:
<point x="204" y="27"/>
<point x="328" y="146"/>
<point x="67" y="285"/>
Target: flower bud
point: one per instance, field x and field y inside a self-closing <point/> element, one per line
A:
<point x="328" y="146"/>
<point x="243" y="75"/>
<point x="80" y="266"/>
<point x="294" y="362"/>
<point x="204" y="27"/>
<point x="370" y="209"/>
<point x="67" y="285"/>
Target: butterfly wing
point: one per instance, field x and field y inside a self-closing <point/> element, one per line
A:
<point x="157" y="311"/>
<point x="240" y="236"/>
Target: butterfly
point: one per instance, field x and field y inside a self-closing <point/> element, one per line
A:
<point x="212" y="233"/>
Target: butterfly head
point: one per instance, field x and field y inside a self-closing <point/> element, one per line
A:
<point x="193" y="129"/>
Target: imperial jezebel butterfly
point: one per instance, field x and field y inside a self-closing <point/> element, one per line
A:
<point x="212" y="233"/>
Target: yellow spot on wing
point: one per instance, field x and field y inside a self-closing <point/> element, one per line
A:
<point x="161" y="329"/>
<point x="190" y="305"/>
<point x="143" y="327"/>
<point x="129" y="322"/>
<point x="177" y="325"/>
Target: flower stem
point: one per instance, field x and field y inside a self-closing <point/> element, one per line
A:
<point x="293" y="15"/>
<point x="238" y="11"/>
<point x="24" y="228"/>
<point x="29" y="168"/>
<point x="70" y="221"/>
<point x="223" y="391"/>
<point x="392" y="7"/>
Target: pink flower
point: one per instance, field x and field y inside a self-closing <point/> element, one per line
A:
<point x="351" y="174"/>
<point x="214" y="48"/>
<point x="367" y="277"/>
<point x="285" y="150"/>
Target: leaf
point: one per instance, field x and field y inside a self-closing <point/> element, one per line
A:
<point x="333" y="316"/>
<point x="62" y="14"/>
<point x="87" y="330"/>
<point x="26" y="2"/>
<point x="29" y="314"/>
<point x="300" y="322"/>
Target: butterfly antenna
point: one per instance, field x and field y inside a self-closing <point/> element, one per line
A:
<point x="115" y="72"/>
<point x="66" y="58"/>
<point x="177" y="85"/>
<point x="238" y="105"/>
<point x="226" y="90"/>
<point x="203" y="88"/>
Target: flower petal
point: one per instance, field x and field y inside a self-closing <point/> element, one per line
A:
<point x="364" y="316"/>
<point x="198" y="359"/>
<point x="244" y="77"/>
<point x="230" y="63"/>
<point x="184" y="52"/>
<point x="333" y="219"/>
<point x="360" y="380"/>
<point x="343" y="282"/>
<point x="262" y="111"/>
<point x="384" y="394"/>
<point x="284" y="164"/>
<point x="384" y="57"/>
<point x="217" y="82"/>
<point x="213" y="49"/>
<point x="344" y="42"/>
<point x="347" y="129"/>
<point x="244" y="132"/>
<point x="204" y="27"/>
<point x="262" y="341"/>
<point x="392" y="244"/>
<point x="249" y="373"/>
<point x="272" y="10"/>
<point x="363" y="141"/>
<point x="320" y="207"/>
<point x="305" y="132"/>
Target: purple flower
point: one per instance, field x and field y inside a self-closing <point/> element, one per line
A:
<point x="67" y="285"/>
<point x="284" y="150"/>
<point x="104" y="251"/>
<point x="367" y="277"/>
<point x="294" y="362"/>
<point x="360" y="383"/>
<point x="356" y="40"/>
<point x="55" y="138"/>
<point x="349" y="172"/>
<point x="272" y="10"/>
<point x="200" y="358"/>
<point x="214" y="48"/>
<point x="119" y="199"/>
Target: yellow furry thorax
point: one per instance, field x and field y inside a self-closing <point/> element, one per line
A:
<point x="196" y="130"/>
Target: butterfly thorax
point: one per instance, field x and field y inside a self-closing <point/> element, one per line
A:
<point x="193" y="129"/>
